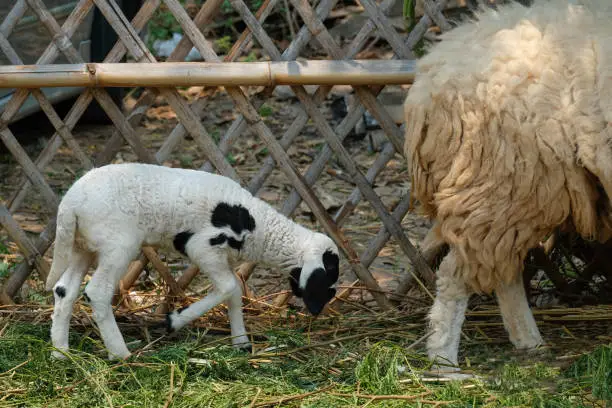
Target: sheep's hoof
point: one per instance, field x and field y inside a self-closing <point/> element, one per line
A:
<point x="539" y="352"/>
<point x="116" y="357"/>
<point x="446" y="376"/>
<point x="58" y="355"/>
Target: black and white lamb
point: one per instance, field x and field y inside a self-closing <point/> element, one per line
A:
<point x="113" y="210"/>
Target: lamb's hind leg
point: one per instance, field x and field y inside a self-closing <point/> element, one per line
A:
<point x="65" y="292"/>
<point x="517" y="316"/>
<point x="226" y="288"/>
<point x="112" y="265"/>
<point x="447" y="315"/>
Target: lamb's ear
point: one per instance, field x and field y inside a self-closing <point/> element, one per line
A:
<point x="294" y="281"/>
<point x="331" y="262"/>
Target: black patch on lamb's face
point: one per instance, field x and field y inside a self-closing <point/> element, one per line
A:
<point x="236" y="217"/>
<point x="294" y="281"/>
<point x="60" y="291"/>
<point x="218" y="240"/>
<point x="180" y="240"/>
<point x="317" y="292"/>
<point x="234" y="243"/>
<point x="222" y="238"/>
<point x="331" y="262"/>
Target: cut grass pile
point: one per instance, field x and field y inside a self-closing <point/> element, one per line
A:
<point x="375" y="370"/>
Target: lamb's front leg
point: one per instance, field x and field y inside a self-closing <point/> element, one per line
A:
<point x="226" y="289"/>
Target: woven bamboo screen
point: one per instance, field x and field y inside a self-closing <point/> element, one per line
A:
<point x="190" y="123"/>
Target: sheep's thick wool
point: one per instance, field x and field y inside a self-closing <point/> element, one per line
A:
<point x="508" y="133"/>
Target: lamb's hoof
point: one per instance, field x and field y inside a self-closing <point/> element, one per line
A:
<point x="169" y="328"/>
<point x="246" y="348"/>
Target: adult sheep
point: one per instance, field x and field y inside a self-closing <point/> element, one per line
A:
<point x="112" y="211"/>
<point x="508" y="137"/>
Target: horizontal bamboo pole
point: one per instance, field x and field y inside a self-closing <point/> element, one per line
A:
<point x="163" y="74"/>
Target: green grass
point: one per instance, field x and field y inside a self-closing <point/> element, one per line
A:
<point x="194" y="370"/>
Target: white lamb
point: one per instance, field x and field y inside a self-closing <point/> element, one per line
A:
<point x="114" y="210"/>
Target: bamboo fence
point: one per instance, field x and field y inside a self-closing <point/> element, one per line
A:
<point x="368" y="79"/>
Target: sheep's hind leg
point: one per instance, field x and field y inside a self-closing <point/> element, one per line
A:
<point x="446" y="317"/>
<point x="225" y="288"/>
<point x="112" y="265"/>
<point x="65" y="292"/>
<point x="517" y="316"/>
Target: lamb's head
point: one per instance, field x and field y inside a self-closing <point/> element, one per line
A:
<point x="315" y="281"/>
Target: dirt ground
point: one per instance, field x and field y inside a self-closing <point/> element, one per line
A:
<point x="247" y="155"/>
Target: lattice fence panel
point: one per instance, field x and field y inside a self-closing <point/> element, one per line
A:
<point x="331" y="157"/>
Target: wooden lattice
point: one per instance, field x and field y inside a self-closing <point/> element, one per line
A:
<point x="189" y="116"/>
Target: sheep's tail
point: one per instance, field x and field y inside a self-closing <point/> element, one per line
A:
<point x="64" y="242"/>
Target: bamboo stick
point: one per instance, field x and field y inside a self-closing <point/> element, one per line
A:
<point x="84" y="99"/>
<point x="291" y="53"/>
<point x="239" y="125"/>
<point x="187" y="276"/>
<point x="133" y="272"/>
<point x="379" y="164"/>
<point x="187" y="117"/>
<point x="17" y="278"/>
<point x="13" y="17"/>
<point x="364" y="94"/>
<point x="73" y="21"/>
<point x="174" y="289"/>
<point x="21" y="239"/>
<point x="173" y="74"/>
<point x="62" y="129"/>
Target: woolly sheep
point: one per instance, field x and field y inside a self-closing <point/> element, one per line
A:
<point x="115" y="209"/>
<point x="508" y="137"/>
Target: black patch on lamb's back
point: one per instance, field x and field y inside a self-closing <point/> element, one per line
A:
<point x="60" y="291"/>
<point x="236" y="217"/>
<point x="180" y="241"/>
